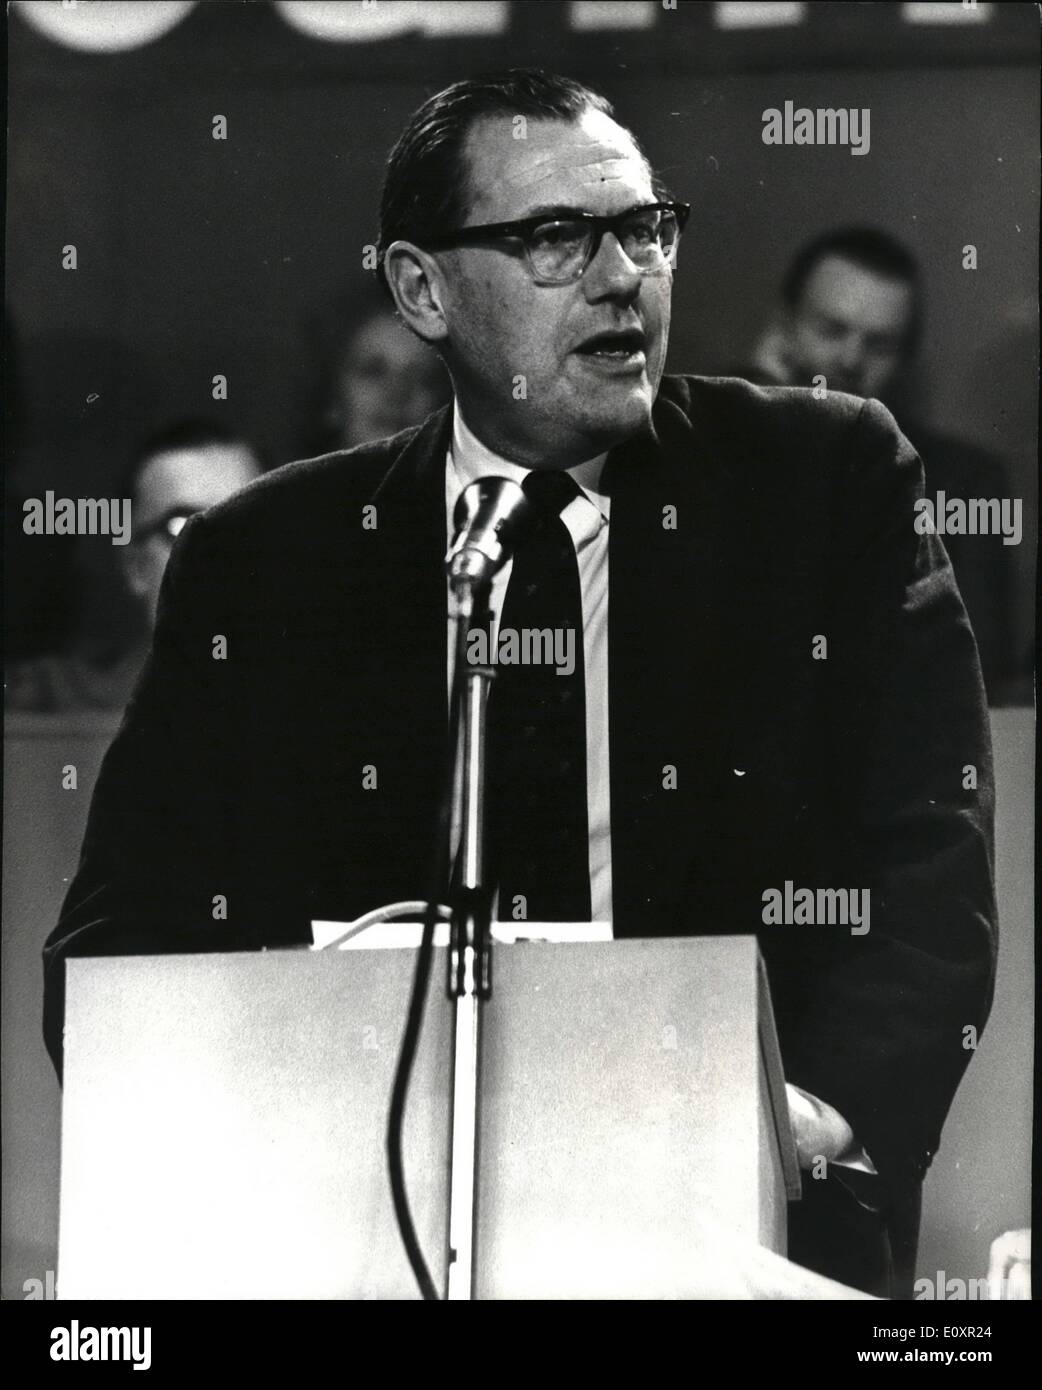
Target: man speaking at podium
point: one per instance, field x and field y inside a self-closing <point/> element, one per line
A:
<point x="775" y="696"/>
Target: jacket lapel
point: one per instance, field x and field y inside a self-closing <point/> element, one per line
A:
<point x="406" y="659"/>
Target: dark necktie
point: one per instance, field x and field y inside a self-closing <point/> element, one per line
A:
<point x="538" y="836"/>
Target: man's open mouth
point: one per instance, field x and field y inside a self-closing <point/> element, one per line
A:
<point x="621" y="344"/>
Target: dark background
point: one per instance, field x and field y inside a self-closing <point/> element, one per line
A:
<point x="198" y="257"/>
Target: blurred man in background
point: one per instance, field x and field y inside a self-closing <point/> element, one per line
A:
<point x="851" y="313"/>
<point x="382" y="379"/>
<point x="176" y="473"/>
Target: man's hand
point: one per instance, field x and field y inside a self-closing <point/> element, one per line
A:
<point x="1009" y="1268"/>
<point x="819" y="1131"/>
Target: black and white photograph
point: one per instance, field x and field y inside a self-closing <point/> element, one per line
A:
<point x="519" y="736"/>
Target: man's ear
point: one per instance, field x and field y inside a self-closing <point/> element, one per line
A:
<point x="416" y="282"/>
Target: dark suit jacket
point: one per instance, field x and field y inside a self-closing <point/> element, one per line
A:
<point x="984" y="565"/>
<point x="244" y="776"/>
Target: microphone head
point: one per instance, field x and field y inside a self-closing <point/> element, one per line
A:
<point x="489" y="518"/>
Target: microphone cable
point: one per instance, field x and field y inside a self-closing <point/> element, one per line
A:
<point x="437" y="877"/>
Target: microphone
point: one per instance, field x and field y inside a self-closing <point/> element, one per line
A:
<point x="489" y="518"/>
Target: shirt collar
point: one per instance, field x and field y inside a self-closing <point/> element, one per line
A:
<point x="470" y="459"/>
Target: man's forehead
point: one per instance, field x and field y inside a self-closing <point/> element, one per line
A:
<point x="195" y="477"/>
<point x="840" y="286"/>
<point x="516" y="165"/>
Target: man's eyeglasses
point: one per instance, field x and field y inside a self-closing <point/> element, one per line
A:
<point x="559" y="249"/>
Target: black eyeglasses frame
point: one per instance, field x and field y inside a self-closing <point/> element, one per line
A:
<point x="522" y="227"/>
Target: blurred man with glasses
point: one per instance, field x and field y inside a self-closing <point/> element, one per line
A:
<point x="175" y="473"/>
<point x="777" y="682"/>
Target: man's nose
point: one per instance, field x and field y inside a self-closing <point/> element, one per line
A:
<point x="611" y="272"/>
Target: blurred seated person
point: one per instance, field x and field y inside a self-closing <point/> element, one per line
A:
<point x="851" y="312"/>
<point x="382" y="379"/>
<point x="176" y="473"/>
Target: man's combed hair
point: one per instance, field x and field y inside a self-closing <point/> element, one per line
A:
<point x="425" y="186"/>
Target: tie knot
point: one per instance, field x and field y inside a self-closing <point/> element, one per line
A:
<point x="550" y="490"/>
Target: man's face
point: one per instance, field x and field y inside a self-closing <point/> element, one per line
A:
<point x="851" y="326"/>
<point x="524" y="386"/>
<point x="388" y="380"/>
<point x="171" y="487"/>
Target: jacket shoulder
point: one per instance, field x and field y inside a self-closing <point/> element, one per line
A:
<point x="309" y="487"/>
<point x="733" y="407"/>
<point x="295" y="522"/>
<point x="786" y="430"/>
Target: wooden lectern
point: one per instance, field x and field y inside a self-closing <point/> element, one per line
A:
<point x="224" y="1115"/>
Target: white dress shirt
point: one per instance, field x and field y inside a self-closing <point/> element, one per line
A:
<point x="586" y="518"/>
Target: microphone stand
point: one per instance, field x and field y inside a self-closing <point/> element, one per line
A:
<point x="470" y="955"/>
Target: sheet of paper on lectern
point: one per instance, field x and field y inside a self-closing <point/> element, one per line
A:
<point x="383" y="935"/>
